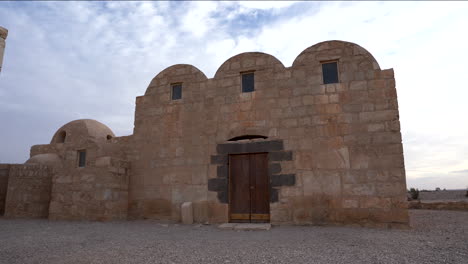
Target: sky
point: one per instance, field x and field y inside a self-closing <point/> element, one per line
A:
<point x="72" y="60"/>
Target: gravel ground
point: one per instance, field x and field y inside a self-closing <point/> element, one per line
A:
<point x="436" y="237"/>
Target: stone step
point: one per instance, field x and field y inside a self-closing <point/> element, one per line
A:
<point x="245" y="226"/>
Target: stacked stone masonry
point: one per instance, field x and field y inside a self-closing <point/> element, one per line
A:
<point x="28" y="193"/>
<point x="334" y="150"/>
<point x="3" y="36"/>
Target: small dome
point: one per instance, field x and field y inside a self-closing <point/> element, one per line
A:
<point x="50" y="159"/>
<point x="77" y="130"/>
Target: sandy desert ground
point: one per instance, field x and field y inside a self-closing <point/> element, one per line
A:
<point x="435" y="237"/>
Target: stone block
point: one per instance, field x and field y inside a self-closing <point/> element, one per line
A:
<point x="378" y="116"/>
<point x="355" y="176"/>
<point x="334" y="98"/>
<point x="193" y="193"/>
<point x="376" y="202"/>
<point x="280" y="215"/>
<point x="218" y="213"/>
<point x="222" y="171"/>
<point x="200" y="212"/>
<point x="350" y="203"/>
<point x="186" y="210"/>
<point x="321" y="99"/>
<point x="361" y="189"/>
<point x="358" y="85"/>
<point x="308" y="100"/>
<point x="283" y="180"/>
<point x="263" y="146"/>
<point x="274" y="168"/>
<point x="223" y="197"/>
<point x="321" y="182"/>
<point x="217" y="184"/>
<point x="280" y="156"/>
<point x="274" y="195"/>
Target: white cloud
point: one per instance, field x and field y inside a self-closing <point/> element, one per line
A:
<point x="198" y="20"/>
<point x="266" y="5"/>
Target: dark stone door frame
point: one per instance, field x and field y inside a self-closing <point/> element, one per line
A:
<point x="276" y="153"/>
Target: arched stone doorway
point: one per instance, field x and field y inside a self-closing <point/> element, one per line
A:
<point x="248" y="177"/>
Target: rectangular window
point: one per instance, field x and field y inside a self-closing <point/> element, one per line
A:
<point x="330" y="72"/>
<point x="248" y="82"/>
<point x="81" y="158"/>
<point x="176" y="91"/>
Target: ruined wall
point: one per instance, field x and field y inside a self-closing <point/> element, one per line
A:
<point x="344" y="138"/>
<point x="3" y="36"/>
<point x="28" y="193"/>
<point x="4" y="172"/>
<point x="95" y="192"/>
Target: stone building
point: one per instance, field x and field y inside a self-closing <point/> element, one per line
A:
<point x="315" y="143"/>
<point x="3" y="36"/>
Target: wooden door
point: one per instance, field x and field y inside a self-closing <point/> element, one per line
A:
<point x="248" y="188"/>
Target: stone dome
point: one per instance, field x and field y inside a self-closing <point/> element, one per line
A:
<point x="82" y="129"/>
<point x="50" y="159"/>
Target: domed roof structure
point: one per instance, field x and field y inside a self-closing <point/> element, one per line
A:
<point x="49" y="159"/>
<point x="77" y="130"/>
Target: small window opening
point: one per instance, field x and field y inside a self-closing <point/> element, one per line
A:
<point x="176" y="91"/>
<point x="244" y="137"/>
<point x="109" y="137"/>
<point x="330" y="72"/>
<point x="81" y="158"/>
<point x="61" y="137"/>
<point x="248" y="81"/>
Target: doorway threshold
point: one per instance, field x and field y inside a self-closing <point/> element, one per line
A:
<point x="245" y="226"/>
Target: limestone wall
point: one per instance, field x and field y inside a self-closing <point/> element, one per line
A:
<point x="97" y="192"/>
<point x="334" y="150"/>
<point x="4" y="172"/>
<point x="344" y="138"/>
<point x="28" y="192"/>
<point x="3" y="36"/>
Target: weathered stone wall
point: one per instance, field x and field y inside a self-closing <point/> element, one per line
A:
<point x="3" y="36"/>
<point x="344" y="138"/>
<point x="28" y="193"/>
<point x="334" y="150"/>
<point x="4" y="172"/>
<point x="95" y="192"/>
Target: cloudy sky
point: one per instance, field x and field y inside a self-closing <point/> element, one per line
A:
<point x="67" y="61"/>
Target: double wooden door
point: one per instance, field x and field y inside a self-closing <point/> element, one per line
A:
<point x="249" y="188"/>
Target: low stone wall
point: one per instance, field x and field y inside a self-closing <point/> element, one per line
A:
<point x="97" y="192"/>
<point x="439" y="205"/>
<point x="443" y="195"/>
<point x="28" y="193"/>
<point x="4" y="171"/>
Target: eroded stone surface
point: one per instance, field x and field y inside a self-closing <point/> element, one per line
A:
<point x="186" y="211"/>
